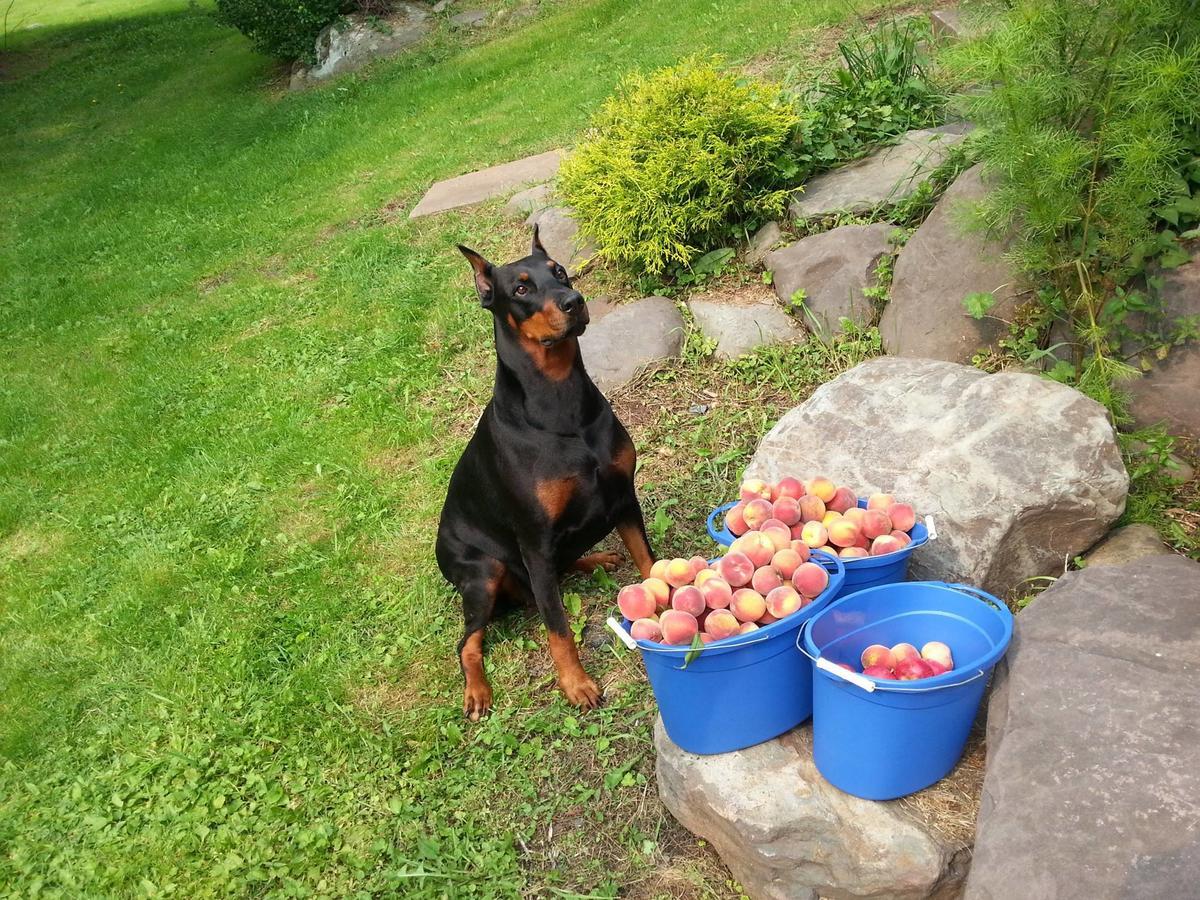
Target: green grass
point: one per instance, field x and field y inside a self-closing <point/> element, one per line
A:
<point x="235" y="379"/>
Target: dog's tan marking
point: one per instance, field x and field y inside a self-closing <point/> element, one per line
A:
<point x="524" y="276"/>
<point x="624" y="458"/>
<point x="477" y="695"/>
<point x="554" y="495"/>
<point x="573" y="681"/>
<point x="639" y="550"/>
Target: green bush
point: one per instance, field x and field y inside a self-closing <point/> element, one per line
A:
<point x="881" y="90"/>
<point x="676" y="160"/>
<point x="286" y="29"/>
<point x="1089" y="129"/>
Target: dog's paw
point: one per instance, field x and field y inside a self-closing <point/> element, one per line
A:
<point x="608" y="560"/>
<point x="581" y="691"/>
<point x="477" y="701"/>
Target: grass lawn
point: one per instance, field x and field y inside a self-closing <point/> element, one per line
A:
<point x="235" y="379"/>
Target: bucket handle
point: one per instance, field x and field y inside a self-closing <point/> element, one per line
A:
<point x="978" y="594"/>
<point x="870" y="685"/>
<point x="631" y="642"/>
<point x="931" y="528"/>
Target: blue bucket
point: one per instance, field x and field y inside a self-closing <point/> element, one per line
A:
<point x="739" y="691"/>
<point x="881" y="739"/>
<point x="862" y="572"/>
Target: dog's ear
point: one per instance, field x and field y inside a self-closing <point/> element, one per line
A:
<point x="484" y="282"/>
<point x="537" y="243"/>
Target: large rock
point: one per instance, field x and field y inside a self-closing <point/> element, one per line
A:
<point x="762" y="242"/>
<point x="888" y="176"/>
<point x="559" y="234"/>
<point x="630" y="338"/>
<point x="354" y="41"/>
<point x="495" y="181"/>
<point x="833" y="269"/>
<point x="786" y="833"/>
<point x="1093" y="776"/>
<point x="1019" y="472"/>
<point x="1125" y="545"/>
<point x="939" y="266"/>
<point x="523" y="203"/>
<point x="738" y="328"/>
<point x="1170" y="393"/>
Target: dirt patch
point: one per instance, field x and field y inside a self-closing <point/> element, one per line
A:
<point x="26" y="543"/>
<point x="212" y="282"/>
<point x="735" y="292"/>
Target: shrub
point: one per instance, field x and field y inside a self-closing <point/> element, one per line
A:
<point x="1089" y="128"/>
<point x="882" y="90"/>
<point x="675" y="160"/>
<point x="286" y="29"/>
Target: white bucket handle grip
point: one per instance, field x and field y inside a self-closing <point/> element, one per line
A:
<point x="870" y="685"/>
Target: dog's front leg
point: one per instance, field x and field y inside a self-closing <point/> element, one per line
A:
<point x="574" y="682"/>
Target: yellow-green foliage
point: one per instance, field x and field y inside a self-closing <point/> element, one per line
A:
<point x="676" y="159"/>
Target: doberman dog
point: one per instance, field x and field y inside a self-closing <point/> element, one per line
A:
<point x="547" y="474"/>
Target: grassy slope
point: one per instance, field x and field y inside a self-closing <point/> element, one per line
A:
<point x="233" y="386"/>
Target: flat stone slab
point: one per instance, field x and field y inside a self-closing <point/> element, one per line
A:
<point x="1125" y="545"/>
<point x="559" y="234"/>
<point x="356" y="40"/>
<point x="787" y="834"/>
<point x="630" y="338"/>
<point x="941" y="265"/>
<point x="740" y="328"/>
<point x="523" y="203"/>
<point x="833" y="269"/>
<point x="469" y="18"/>
<point x="888" y="176"/>
<point x="1019" y="472"/>
<point x="496" y="181"/>
<point x="1093" y="775"/>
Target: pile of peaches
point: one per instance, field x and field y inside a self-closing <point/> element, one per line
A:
<point x="766" y="576"/>
<point x="904" y="662"/>
<point x="823" y="515"/>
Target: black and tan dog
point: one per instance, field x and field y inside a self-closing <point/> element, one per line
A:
<point x="547" y="474"/>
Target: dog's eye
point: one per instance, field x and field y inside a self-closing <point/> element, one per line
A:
<point x="560" y="273"/>
<point x="522" y="290"/>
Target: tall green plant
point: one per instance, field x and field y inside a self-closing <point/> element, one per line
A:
<point x="1086" y="110"/>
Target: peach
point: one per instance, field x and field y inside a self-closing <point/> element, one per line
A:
<point x="747" y="605"/>
<point x="660" y="590"/>
<point x="679" y="572"/>
<point x="822" y="487"/>
<point x="760" y="548"/>
<point x="830" y="517"/>
<point x="757" y="512"/>
<point x="721" y="623"/>
<point x="786" y="561"/>
<point x="812" y="509"/>
<point x="716" y="592"/>
<point x="789" y="487"/>
<point x="646" y="630"/>
<point x="936" y="650"/>
<point x="843" y="500"/>
<point x="783" y="601"/>
<point x="902" y="651"/>
<point x="689" y="599"/>
<point x="810" y="579"/>
<point x="936" y="667"/>
<point x="875" y="523"/>
<point x="754" y="489"/>
<point x="747" y="627"/>
<point x="678" y="627"/>
<point x="736" y="569"/>
<point x="885" y="544"/>
<point x="902" y="515"/>
<point x="843" y="533"/>
<point x="699" y="564"/>
<point x="853" y="553"/>
<point x="880" y="501"/>
<point x="880" y="672"/>
<point x="635" y="602"/>
<point x="797" y="530"/>
<point x="735" y="519"/>
<point x="876" y="655"/>
<point x="902" y="537"/>
<point x="706" y="638"/>
<point x="912" y="669"/>
<point x="814" y="534"/>
<point x="856" y="514"/>
<point x="766" y="618"/>
<point x="779" y="537"/>
<point x="802" y="548"/>
<point x="765" y="580"/>
<point x="659" y="569"/>
<point x="786" y="510"/>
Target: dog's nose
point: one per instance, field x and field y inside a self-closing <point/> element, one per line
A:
<point x="571" y="302"/>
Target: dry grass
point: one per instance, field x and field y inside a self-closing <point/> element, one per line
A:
<point x="950" y="807"/>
